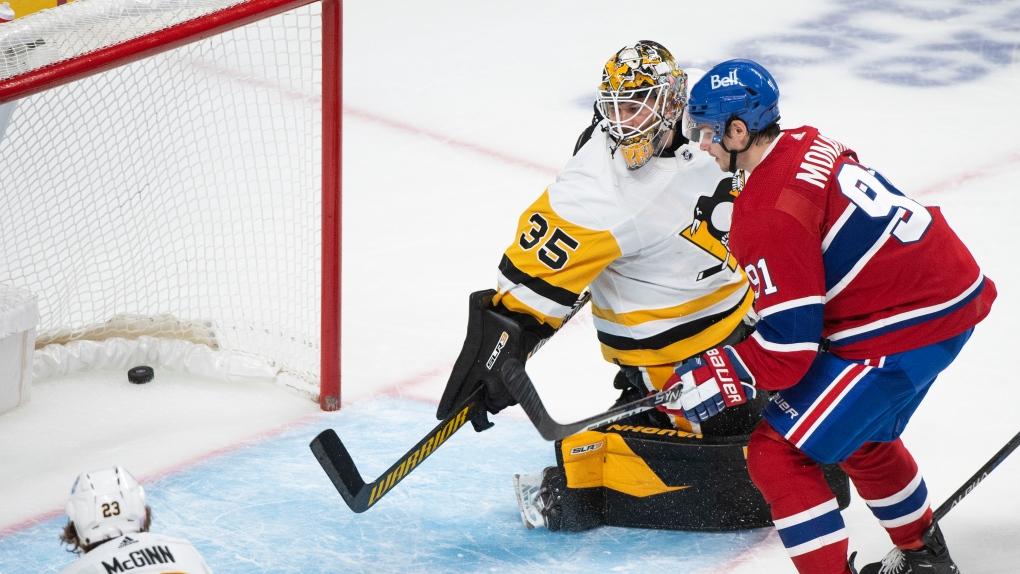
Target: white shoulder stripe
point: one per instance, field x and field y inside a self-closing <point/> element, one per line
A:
<point x="836" y="227"/>
<point x="792" y="304"/>
<point x="783" y="348"/>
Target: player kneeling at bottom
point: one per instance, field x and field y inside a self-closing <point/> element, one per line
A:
<point x="109" y="526"/>
<point x="640" y="218"/>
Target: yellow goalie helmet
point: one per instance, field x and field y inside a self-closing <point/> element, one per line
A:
<point x="641" y="97"/>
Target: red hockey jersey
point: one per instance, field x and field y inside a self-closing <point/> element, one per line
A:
<point x="838" y="256"/>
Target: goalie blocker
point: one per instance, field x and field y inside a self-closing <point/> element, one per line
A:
<point x="650" y="477"/>
<point x="493" y="335"/>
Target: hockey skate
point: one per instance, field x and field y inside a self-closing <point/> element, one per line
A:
<point x="528" y="488"/>
<point x="545" y="501"/>
<point x="932" y="558"/>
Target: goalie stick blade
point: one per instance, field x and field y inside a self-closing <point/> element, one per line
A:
<point x="523" y="389"/>
<point x="333" y="457"/>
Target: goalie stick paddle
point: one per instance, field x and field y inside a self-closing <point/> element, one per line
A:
<point x="334" y="458"/>
<point x="523" y="389"/>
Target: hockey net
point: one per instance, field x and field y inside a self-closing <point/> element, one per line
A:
<point x="164" y="180"/>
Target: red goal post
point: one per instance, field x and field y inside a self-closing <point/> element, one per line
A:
<point x="172" y="170"/>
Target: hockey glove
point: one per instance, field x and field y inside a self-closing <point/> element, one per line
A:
<point x="709" y="384"/>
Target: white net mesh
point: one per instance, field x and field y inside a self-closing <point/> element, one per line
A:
<point x="178" y="194"/>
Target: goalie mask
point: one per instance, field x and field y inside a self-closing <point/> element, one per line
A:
<point x="641" y="97"/>
<point x="106" y="504"/>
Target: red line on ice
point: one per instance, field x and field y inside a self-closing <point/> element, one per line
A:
<point x="449" y="140"/>
<point x="953" y="182"/>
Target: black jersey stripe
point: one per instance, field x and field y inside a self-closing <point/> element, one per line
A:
<point x="553" y="293"/>
<point x="669" y="336"/>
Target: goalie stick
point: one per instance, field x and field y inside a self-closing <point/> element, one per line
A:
<point x="334" y="458"/>
<point x="523" y="389"/>
<point x="359" y="495"/>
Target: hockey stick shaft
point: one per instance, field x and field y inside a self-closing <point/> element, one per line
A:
<point x="976" y="479"/>
<point x="523" y="389"/>
<point x="334" y="458"/>
<point x="336" y="461"/>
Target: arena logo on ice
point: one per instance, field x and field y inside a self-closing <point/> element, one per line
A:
<point x="920" y="44"/>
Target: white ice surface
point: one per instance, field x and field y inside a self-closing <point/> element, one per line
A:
<point x="459" y="113"/>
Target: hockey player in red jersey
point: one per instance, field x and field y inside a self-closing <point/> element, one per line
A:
<point x="864" y="297"/>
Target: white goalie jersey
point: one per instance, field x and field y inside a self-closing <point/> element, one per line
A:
<point x="141" y="553"/>
<point x="649" y="243"/>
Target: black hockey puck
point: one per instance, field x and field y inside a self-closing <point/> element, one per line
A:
<point x="140" y="375"/>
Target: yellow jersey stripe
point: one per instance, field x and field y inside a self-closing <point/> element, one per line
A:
<point x="689" y="308"/>
<point x="684" y="348"/>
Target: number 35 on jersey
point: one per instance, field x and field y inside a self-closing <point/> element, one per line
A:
<point x="556" y="247"/>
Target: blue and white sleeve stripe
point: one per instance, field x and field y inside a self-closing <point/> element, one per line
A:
<point x="791" y="326"/>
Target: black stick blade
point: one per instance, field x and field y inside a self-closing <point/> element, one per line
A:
<point x="332" y="455"/>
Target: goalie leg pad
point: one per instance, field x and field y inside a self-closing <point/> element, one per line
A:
<point x="663" y="478"/>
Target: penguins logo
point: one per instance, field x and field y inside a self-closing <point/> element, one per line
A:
<point x="710" y="229"/>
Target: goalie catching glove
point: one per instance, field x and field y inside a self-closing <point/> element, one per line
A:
<point x="709" y="383"/>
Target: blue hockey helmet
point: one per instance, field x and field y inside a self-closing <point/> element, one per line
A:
<point x="740" y="89"/>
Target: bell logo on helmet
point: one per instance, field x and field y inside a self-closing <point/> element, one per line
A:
<point x="734" y="89"/>
<point x="725" y="81"/>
